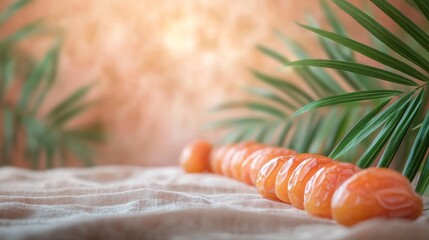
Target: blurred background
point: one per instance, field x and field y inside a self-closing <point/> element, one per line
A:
<point x="159" y="65"/>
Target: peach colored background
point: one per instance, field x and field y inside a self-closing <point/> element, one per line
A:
<point x="160" y="64"/>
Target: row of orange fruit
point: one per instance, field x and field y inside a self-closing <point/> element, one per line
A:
<point x="318" y="184"/>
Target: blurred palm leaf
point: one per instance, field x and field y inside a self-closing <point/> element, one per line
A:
<point x="383" y="112"/>
<point x="275" y="103"/>
<point x="48" y="138"/>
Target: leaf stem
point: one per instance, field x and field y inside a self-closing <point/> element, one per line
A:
<point x="421" y="86"/>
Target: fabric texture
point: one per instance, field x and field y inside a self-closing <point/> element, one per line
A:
<point x="127" y="202"/>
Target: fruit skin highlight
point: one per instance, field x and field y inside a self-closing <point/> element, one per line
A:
<point x="195" y="157"/>
<point x="263" y="156"/>
<point x="240" y="157"/>
<point x="216" y="158"/>
<point x="229" y="160"/>
<point x="301" y="175"/>
<point x="226" y="160"/>
<point x="375" y="193"/>
<point x="316" y="183"/>
<point x="265" y="183"/>
<point x="321" y="187"/>
<point x="284" y="174"/>
<point x="246" y="163"/>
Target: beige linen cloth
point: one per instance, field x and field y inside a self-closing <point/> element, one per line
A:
<point x="124" y="202"/>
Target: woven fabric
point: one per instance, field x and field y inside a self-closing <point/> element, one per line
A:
<point x="126" y="202"/>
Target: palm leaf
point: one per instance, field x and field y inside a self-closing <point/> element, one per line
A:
<point x="370" y="52"/>
<point x="23" y="33"/>
<point x="268" y="94"/>
<point x="347" y="97"/>
<point x="386" y="133"/>
<point x="8" y="135"/>
<point x="273" y="54"/>
<point x="6" y="78"/>
<point x="424" y="7"/>
<point x="50" y="150"/>
<point x="34" y="133"/>
<point x="323" y="130"/>
<point x="319" y="81"/>
<point x="255" y="106"/>
<point x="12" y="9"/>
<point x="234" y="136"/>
<point x="383" y="34"/>
<point x="319" y="85"/>
<point x="89" y="134"/>
<point x="404" y="22"/>
<point x="298" y="135"/>
<point x="349" y="77"/>
<point x="333" y="20"/>
<point x="234" y="122"/>
<point x="46" y="138"/>
<point x="341" y="146"/>
<point x="262" y="134"/>
<point x="400" y="130"/>
<point x="423" y="183"/>
<point x="418" y="150"/>
<point x="281" y="139"/>
<point x="380" y="141"/>
<point x="70" y="102"/>
<point x="70" y="114"/>
<point x="34" y="79"/>
<point x="355" y="68"/>
<point x="50" y="75"/>
<point x="336" y="131"/>
<point x="368" y="125"/>
<point x="287" y="88"/>
<point x="82" y="151"/>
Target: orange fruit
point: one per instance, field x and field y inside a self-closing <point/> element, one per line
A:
<point x="229" y="155"/>
<point x="264" y="156"/>
<point x="216" y="158"/>
<point x="375" y="193"/>
<point x="245" y="164"/>
<point x="240" y="156"/>
<point x="265" y="183"/>
<point x="284" y="174"/>
<point x="321" y="187"/>
<point x="236" y="157"/>
<point x="195" y="157"/>
<point x="301" y="175"/>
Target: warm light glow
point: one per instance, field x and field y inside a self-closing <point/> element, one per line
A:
<point x="180" y="34"/>
<point x="162" y="64"/>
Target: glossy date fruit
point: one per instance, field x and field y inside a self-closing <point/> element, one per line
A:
<point x="285" y="173"/>
<point x="240" y="157"/>
<point x="216" y="158"/>
<point x="247" y="162"/>
<point x="227" y="161"/>
<point x="375" y="193"/>
<point x="321" y="187"/>
<point x="318" y="184"/>
<point x="195" y="157"/>
<point x="301" y="175"/>
<point x="266" y="180"/>
<point x="264" y="156"/>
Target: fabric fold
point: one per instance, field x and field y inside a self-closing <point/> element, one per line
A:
<point x="127" y="202"/>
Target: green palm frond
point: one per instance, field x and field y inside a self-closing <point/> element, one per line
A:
<point x="382" y="118"/>
<point x="396" y="120"/>
<point x="273" y="105"/>
<point x="48" y="138"/>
